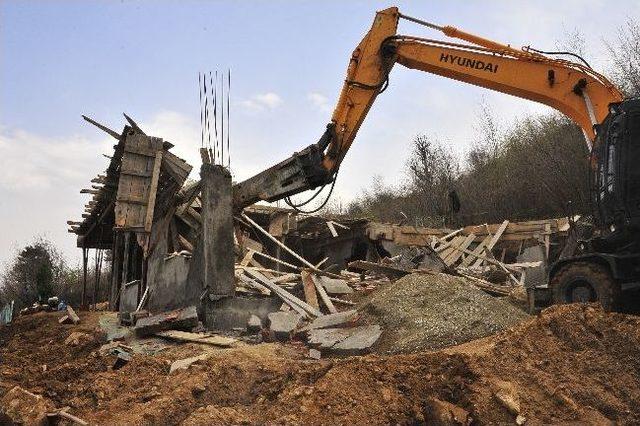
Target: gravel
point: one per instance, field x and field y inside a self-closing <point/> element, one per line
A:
<point x="428" y="312"/>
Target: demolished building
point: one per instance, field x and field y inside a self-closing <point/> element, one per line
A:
<point x="173" y="242"/>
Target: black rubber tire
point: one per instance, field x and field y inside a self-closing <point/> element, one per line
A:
<point x="585" y="276"/>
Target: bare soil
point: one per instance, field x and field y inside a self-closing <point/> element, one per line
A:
<point x="573" y="363"/>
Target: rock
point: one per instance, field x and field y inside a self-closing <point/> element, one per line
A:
<point x="72" y="315"/>
<point x="325" y="338"/>
<point x="315" y="354"/>
<point x="359" y="342"/>
<point x="282" y="324"/>
<point x="180" y="319"/>
<point x="76" y="338"/>
<point x="331" y="320"/>
<point x="254" y="324"/>
<point x="183" y="364"/>
<point x="508" y="400"/>
<point x="198" y="390"/>
<point x="335" y="286"/>
<point x="520" y="420"/>
<point x="122" y="359"/>
<point x="19" y="406"/>
<point x="444" y="413"/>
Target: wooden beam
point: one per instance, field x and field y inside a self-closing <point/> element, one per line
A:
<point x="309" y="290"/>
<point x="323" y="294"/>
<point x="455" y="255"/>
<point x="153" y="189"/>
<point x="287" y="249"/>
<point x="492" y="242"/>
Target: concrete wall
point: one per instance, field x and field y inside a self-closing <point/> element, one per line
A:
<point x="167" y="279"/>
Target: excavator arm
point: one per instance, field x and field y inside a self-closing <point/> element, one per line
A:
<point x="573" y="89"/>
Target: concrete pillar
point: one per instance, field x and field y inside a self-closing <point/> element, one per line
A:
<point x="217" y="231"/>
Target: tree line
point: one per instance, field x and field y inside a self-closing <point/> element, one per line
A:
<point x="536" y="168"/>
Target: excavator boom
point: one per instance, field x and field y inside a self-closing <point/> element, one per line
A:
<point x="573" y="89"/>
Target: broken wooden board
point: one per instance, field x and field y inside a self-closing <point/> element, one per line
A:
<point x="300" y="306"/>
<point x="456" y="254"/>
<point x="447" y="248"/>
<point x="309" y="290"/>
<point x="323" y="294"/>
<point x="492" y="242"/>
<point x="205" y="339"/>
<point x="476" y="252"/>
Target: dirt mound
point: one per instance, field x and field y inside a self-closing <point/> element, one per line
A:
<point x="428" y="312"/>
<point x="570" y="364"/>
<point x="34" y="354"/>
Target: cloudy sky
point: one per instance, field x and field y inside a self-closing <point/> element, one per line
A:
<point x="61" y="59"/>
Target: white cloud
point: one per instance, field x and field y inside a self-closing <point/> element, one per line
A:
<point x="262" y="101"/>
<point x="319" y="101"/>
<point x="30" y="161"/>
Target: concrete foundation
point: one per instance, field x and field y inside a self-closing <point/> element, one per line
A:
<point x="234" y="312"/>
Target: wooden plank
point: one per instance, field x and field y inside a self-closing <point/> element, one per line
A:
<point x="477" y="251"/>
<point x="252" y="283"/>
<point x="492" y="242"/>
<point x="323" y="295"/>
<point x="136" y="173"/>
<point x="309" y="290"/>
<point x="455" y="256"/>
<point x="132" y="200"/>
<point x="185" y="243"/>
<point x="449" y="248"/>
<point x="185" y="336"/>
<point x="296" y="304"/>
<point x="287" y="249"/>
<point x="153" y="189"/>
<point x="140" y="150"/>
<point x="247" y="258"/>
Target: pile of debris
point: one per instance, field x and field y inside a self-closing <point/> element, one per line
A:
<point x="429" y="311"/>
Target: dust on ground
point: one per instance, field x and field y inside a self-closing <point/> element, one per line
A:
<point x="434" y="311"/>
<point x="572" y="363"/>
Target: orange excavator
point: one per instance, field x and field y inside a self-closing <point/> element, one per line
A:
<point x="599" y="268"/>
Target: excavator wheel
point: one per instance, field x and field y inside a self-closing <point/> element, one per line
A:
<point x="584" y="282"/>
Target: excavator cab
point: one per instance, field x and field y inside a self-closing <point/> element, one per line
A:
<point x="616" y="177"/>
<point x="605" y="265"/>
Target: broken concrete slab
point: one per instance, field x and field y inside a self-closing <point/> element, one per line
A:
<point x="345" y="341"/>
<point x="183" y="364"/>
<point x="254" y="324"/>
<point x="72" y="315"/>
<point x="122" y="359"/>
<point x="331" y="320"/>
<point x="110" y="325"/>
<point x="334" y="285"/>
<point x="282" y="324"/>
<point x="181" y="319"/>
<point x="65" y="320"/>
<point x="359" y="342"/>
<point x="325" y="338"/>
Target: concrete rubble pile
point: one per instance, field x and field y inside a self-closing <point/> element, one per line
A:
<point x="183" y="258"/>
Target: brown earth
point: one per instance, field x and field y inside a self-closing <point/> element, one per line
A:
<point x="571" y="364"/>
